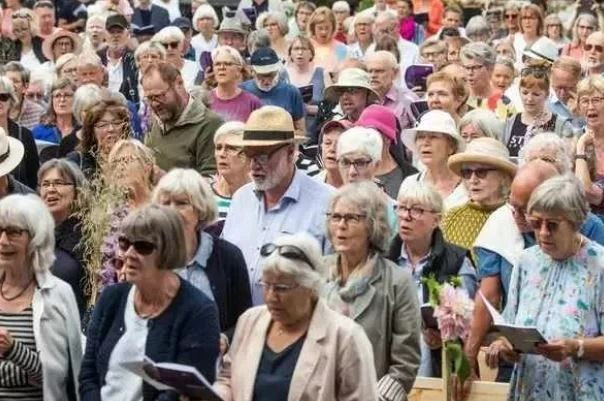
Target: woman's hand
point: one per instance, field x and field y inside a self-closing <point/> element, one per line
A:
<point x="500" y="347"/>
<point x="432" y="338"/>
<point x="558" y="350"/>
<point x="6" y="341"/>
<point x="585" y="140"/>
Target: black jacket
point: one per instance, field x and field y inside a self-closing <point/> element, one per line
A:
<point x="85" y="161"/>
<point x="37" y="47"/>
<point x="160" y="18"/>
<point x="16" y="187"/>
<point x="27" y="170"/>
<point x="129" y="87"/>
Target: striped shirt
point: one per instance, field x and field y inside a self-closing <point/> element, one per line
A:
<point x="21" y="367"/>
<point x="223" y="203"/>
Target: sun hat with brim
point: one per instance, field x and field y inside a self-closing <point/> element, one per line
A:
<point x="380" y="118"/>
<point x="350" y="78"/>
<point x="436" y="121"/>
<point x="232" y="25"/>
<point x="11" y="153"/>
<point x="329" y="125"/>
<point x="61" y="33"/>
<point x="265" y="61"/>
<point x="543" y="49"/>
<point x="487" y="151"/>
<point x="269" y="126"/>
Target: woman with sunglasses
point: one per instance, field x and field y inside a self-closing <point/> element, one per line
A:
<point x="173" y="40"/>
<point x="421" y="249"/>
<point x="154" y="313"/>
<point x="487" y="173"/>
<point x="557" y="286"/>
<point x="370" y="289"/>
<point x="593" y="54"/>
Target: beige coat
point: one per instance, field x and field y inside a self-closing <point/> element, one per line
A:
<point x="335" y="363"/>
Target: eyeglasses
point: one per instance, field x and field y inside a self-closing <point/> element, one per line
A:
<point x="550" y="225"/>
<point x="55" y="184"/>
<point x="466" y="173"/>
<point x="225" y="64"/>
<point x="157" y="97"/>
<point x="585" y="27"/>
<point x="171" y="45"/>
<point x="12" y="233"/>
<point x="263" y="158"/>
<point x="287" y="251"/>
<point x="278" y="288"/>
<point x="511" y="16"/>
<point x="359" y="164"/>
<point x="588" y="47"/>
<point x="141" y="247"/>
<point x="107" y="125"/>
<point x="472" y="68"/>
<point x="348" y="218"/>
<point x="228" y="149"/>
<point x="63" y="96"/>
<point x="414" y="212"/>
<point x="5" y="97"/>
<point x="584" y="101"/>
<point x="34" y="95"/>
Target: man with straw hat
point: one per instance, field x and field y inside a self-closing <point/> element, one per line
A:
<point x="353" y="93"/>
<point x="280" y="199"/>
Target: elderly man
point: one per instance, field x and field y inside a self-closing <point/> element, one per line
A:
<point x="500" y="243"/>
<point x="433" y="51"/>
<point x="24" y="111"/>
<point x="352" y="92"/>
<point x="44" y="11"/>
<point x="120" y="63"/>
<point x="280" y="199"/>
<point x="565" y="75"/>
<point x="383" y="71"/>
<point x="271" y="90"/>
<point x="183" y="131"/>
<point x="387" y="24"/>
<point x="231" y="33"/>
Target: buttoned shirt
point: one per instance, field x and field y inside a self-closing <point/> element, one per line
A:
<point x="195" y="271"/>
<point x="249" y="224"/>
<point x="558" y="108"/>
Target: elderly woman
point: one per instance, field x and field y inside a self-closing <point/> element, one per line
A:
<point x="59" y="120"/>
<point x="503" y="74"/>
<point x="274" y="342"/>
<point x="205" y="21"/>
<point x="275" y="23"/>
<point x="550" y="148"/>
<point x="154" y="313"/>
<point x="421" y="249"/>
<point x="584" y="25"/>
<point x="362" y="33"/>
<point x="531" y="29"/>
<point x="172" y="38"/>
<point x="505" y="49"/>
<point x="478" y="29"/>
<point x="448" y="93"/>
<point x="228" y="100"/>
<point x="478" y="123"/>
<point x="593" y="54"/>
<point x="59" y="43"/>
<point x="432" y="142"/>
<point x="487" y="173"/>
<point x="554" y="30"/>
<point x="328" y="51"/>
<point x="588" y="161"/>
<point x="215" y="267"/>
<point x="330" y="135"/>
<point x="359" y="152"/>
<point x="370" y="289"/>
<point x="302" y="12"/>
<point x="95" y="32"/>
<point x="66" y="67"/>
<point x="561" y="277"/>
<point x="28" y="44"/>
<point x="40" y="336"/>
<point x="454" y="45"/>
<point x="59" y="184"/>
<point x="433" y="51"/>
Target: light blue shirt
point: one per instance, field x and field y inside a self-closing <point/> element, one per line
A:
<point x="249" y="225"/>
<point x="194" y="272"/>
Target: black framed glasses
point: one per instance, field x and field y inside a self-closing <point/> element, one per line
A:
<point x="414" y="212"/>
<point x="287" y="251"/>
<point x="358" y="164"/>
<point x="466" y="173"/>
<point x="13" y="233"/>
<point x="263" y="158"/>
<point x="141" y="247"/>
<point x="5" y="97"/>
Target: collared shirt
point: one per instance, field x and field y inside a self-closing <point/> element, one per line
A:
<point x="116" y="75"/>
<point x="249" y="225"/>
<point x="398" y="101"/>
<point x="195" y="272"/>
<point x="558" y="108"/>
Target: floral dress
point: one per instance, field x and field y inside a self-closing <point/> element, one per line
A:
<point x="564" y="300"/>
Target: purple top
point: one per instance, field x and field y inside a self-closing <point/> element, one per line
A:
<point x="238" y="108"/>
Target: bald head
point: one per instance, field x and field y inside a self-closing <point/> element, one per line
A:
<point x="383" y="70"/>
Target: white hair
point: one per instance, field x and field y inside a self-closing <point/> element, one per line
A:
<point x="149" y="47"/>
<point x="553" y="145"/>
<point x="340" y="5"/>
<point x="205" y="10"/>
<point x="484" y="121"/>
<point x="89" y="59"/>
<point x="169" y="33"/>
<point x="278" y="16"/>
<point x="423" y="193"/>
<point x="231" y="51"/>
<point x="362" y="140"/>
<point x="96" y="18"/>
<point x="84" y="98"/>
<point x="28" y="212"/>
<point x="388" y="15"/>
<point x="230" y="129"/>
<point x="6" y="85"/>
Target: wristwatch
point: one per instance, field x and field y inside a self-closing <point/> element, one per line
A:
<point x="581" y="156"/>
<point x="580" y="349"/>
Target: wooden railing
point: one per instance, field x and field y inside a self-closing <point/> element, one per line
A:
<point x="430" y="389"/>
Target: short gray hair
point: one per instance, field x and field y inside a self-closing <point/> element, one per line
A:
<point x="161" y="226"/>
<point x="230" y="129"/>
<point x="340" y="5"/>
<point x="363" y="140"/>
<point x="477" y="25"/>
<point x="561" y="194"/>
<point x="188" y="182"/>
<point x="67" y="169"/>
<point x="149" y="46"/>
<point x="506" y="61"/>
<point x="169" y="33"/>
<point x="484" y="121"/>
<point x="258" y="39"/>
<point x="84" y="98"/>
<point x="553" y="145"/>
<point x="233" y="53"/>
<point x="479" y="52"/>
<point x="370" y="199"/>
<point x="423" y="193"/>
<point x="28" y="212"/>
<point x="433" y="42"/>
<point x="311" y="277"/>
<point x="89" y="59"/>
<point x="278" y="16"/>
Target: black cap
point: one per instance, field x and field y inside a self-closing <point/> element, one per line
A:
<point x="182" y="23"/>
<point x="117" y="20"/>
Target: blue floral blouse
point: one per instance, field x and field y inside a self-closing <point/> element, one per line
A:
<point x="563" y="299"/>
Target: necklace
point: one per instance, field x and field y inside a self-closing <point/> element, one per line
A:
<point x="16" y="296"/>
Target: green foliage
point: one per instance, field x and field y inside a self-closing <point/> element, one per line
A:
<point x="461" y="365"/>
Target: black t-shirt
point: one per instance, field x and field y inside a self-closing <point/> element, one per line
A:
<point x="517" y="138"/>
<point x="72" y="10"/>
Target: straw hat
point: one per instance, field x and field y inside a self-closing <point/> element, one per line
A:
<point x="11" y="153"/>
<point x="269" y="126"/>
<point x="60" y="33"/>
<point x="350" y="78"/>
<point x="232" y="25"/>
<point x="437" y="121"/>
<point x="487" y="151"/>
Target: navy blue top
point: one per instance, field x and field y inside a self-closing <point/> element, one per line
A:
<point x="187" y="332"/>
<point x="283" y="95"/>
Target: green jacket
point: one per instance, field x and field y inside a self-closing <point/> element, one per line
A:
<point x="188" y="143"/>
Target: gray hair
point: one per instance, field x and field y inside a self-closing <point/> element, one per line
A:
<point x="506" y="61"/>
<point x="340" y="5"/>
<point x="149" y="46"/>
<point x="479" y="52"/>
<point x="89" y="59"/>
<point x="16" y="66"/>
<point x="84" y="98"/>
<point x="67" y="169"/>
<point x="6" y="86"/>
<point x="311" y="277"/>
<point x="484" y="121"/>
<point x="477" y="25"/>
<point x="562" y="194"/>
<point x="188" y="182"/>
<point x="230" y="129"/>
<point x="278" y="16"/>
<point x="96" y="18"/>
<point x="369" y="199"/>
<point x="161" y="226"/>
<point x="169" y="33"/>
<point x="512" y="6"/>
<point x="384" y="16"/>
<point x="258" y="39"/>
<point x="363" y="140"/>
<point x="423" y="193"/>
<point x="28" y="212"/>
<point x="231" y="51"/>
<point x="433" y="42"/>
<point x="553" y="145"/>
<point x="205" y="10"/>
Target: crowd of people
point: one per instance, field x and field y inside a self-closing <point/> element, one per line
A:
<point x="261" y="190"/>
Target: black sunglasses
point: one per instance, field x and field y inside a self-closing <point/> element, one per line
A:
<point x="141" y="247"/>
<point x="597" y="48"/>
<point x="287" y="251"/>
<point x="466" y="173"/>
<point x="172" y="45"/>
<point x="5" y="97"/>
